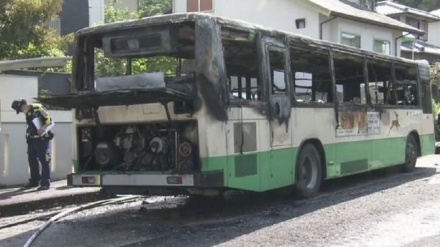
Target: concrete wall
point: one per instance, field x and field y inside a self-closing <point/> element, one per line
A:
<point x="96" y="12"/>
<point x="13" y="148"/>
<point x="56" y="83"/>
<point x="433" y="35"/>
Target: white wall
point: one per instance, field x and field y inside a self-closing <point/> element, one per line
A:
<point x="433" y="34"/>
<point x="280" y="14"/>
<point x="329" y="28"/>
<point x="367" y="32"/>
<point x="13" y="148"/>
<point x="96" y="12"/>
<point x="179" y="6"/>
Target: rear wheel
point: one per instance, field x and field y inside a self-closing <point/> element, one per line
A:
<point x="411" y="154"/>
<point x="308" y="172"/>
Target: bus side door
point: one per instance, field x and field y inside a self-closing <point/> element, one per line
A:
<point x="276" y="72"/>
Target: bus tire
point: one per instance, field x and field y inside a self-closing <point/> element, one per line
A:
<point x="411" y="154"/>
<point x="308" y="172"/>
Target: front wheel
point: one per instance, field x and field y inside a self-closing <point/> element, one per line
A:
<point x="308" y="172"/>
<point x="411" y="154"/>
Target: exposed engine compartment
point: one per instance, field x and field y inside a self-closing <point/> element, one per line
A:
<point x="167" y="147"/>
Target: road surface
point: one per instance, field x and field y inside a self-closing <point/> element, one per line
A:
<point x="384" y="208"/>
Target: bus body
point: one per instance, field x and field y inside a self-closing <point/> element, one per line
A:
<point x="240" y="107"/>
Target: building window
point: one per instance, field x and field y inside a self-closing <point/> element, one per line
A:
<point x="351" y="40"/>
<point x="300" y="23"/>
<point x="199" y="5"/>
<point x="382" y="46"/>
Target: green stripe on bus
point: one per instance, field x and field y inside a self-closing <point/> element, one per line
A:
<point x="275" y="169"/>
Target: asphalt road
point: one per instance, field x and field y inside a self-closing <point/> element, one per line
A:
<point x="384" y="208"/>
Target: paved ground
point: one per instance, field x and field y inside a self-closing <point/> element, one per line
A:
<point x="18" y="199"/>
<point x="383" y="209"/>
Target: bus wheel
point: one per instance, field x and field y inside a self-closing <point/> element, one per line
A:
<point x="411" y="154"/>
<point x="308" y="172"/>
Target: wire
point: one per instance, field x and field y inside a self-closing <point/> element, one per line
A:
<point x="64" y="213"/>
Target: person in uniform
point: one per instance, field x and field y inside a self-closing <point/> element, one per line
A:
<point x="38" y="137"/>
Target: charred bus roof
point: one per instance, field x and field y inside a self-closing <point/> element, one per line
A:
<point x="238" y="25"/>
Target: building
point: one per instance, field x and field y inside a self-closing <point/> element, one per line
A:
<point x="426" y="46"/>
<point x="434" y="37"/>
<point x="350" y="22"/>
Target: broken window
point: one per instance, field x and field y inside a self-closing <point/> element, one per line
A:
<point x="242" y="66"/>
<point x="380" y="87"/>
<point x="311" y="74"/>
<point x="169" y="50"/>
<point x="278" y="72"/>
<point x="406" y="85"/>
<point x="350" y="82"/>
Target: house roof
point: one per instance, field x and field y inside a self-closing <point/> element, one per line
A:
<point x="435" y="12"/>
<point x="392" y="8"/>
<point x="421" y="47"/>
<point x="340" y="9"/>
<point x="43" y="62"/>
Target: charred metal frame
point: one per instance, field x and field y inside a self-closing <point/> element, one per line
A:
<point x="211" y="82"/>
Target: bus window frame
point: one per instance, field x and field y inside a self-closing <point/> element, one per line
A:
<point x="395" y="83"/>
<point x="364" y="63"/>
<point x="330" y="104"/>
<point x="260" y="103"/>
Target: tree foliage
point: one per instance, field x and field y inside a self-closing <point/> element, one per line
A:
<point x="154" y="7"/>
<point x="427" y="5"/>
<point x="24" y="32"/>
<point x="435" y="73"/>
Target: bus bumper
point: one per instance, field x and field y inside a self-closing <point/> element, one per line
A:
<point x="204" y="179"/>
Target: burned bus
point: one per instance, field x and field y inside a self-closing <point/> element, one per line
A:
<point x="237" y="107"/>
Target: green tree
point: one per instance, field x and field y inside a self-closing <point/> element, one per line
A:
<point x="435" y="73"/>
<point x="112" y="13"/>
<point x="435" y="79"/>
<point x="23" y="29"/>
<point x="154" y="7"/>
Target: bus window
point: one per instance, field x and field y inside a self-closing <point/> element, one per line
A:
<point x="349" y="74"/>
<point x="278" y="72"/>
<point x="406" y="85"/>
<point x="379" y="75"/>
<point x="242" y="67"/>
<point x="311" y="75"/>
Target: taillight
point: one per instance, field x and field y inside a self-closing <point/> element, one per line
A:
<point x="174" y="180"/>
<point x="88" y="180"/>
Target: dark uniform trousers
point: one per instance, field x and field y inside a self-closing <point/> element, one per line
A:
<point x="39" y="153"/>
